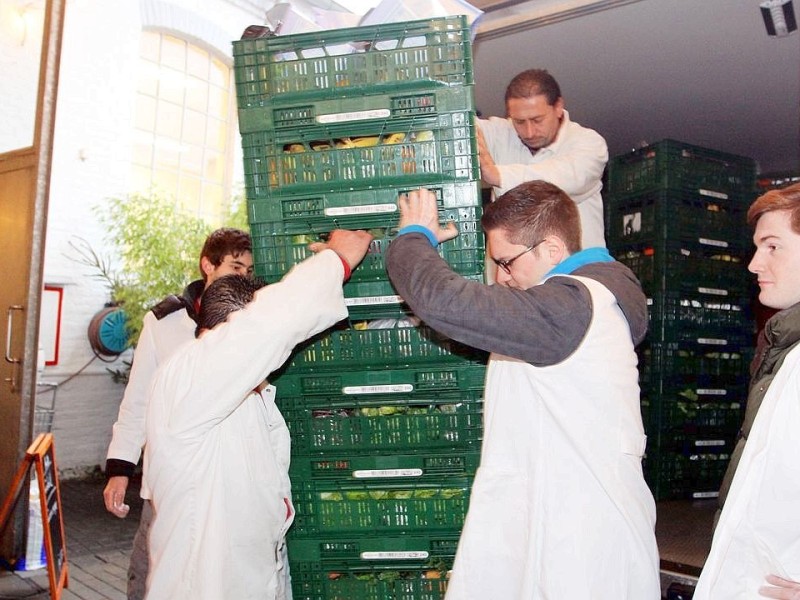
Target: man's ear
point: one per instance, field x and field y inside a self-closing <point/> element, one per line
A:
<point x="559" y="106"/>
<point x="555" y="249"/>
<point x="207" y="266"/>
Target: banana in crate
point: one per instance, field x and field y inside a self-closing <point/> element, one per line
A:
<point x="361" y="141"/>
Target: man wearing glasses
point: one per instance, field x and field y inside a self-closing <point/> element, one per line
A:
<point x="559" y="506"/>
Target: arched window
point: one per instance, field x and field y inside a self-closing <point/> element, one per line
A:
<point x="185" y="125"/>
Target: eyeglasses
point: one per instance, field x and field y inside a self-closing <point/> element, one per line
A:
<point x="506" y="264"/>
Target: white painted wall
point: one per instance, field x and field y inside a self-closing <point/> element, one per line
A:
<point x="91" y="157"/>
<point x="91" y="164"/>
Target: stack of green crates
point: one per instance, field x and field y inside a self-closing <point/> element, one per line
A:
<point x="676" y="215"/>
<point x="385" y="414"/>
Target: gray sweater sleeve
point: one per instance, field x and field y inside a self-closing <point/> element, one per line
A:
<point x="542" y="325"/>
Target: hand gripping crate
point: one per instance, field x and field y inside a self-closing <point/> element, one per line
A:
<point x="371" y="567"/>
<point x="359" y="209"/>
<point x="345" y="347"/>
<point x="412" y="152"/>
<point x="674" y="165"/>
<point x="353" y="62"/>
<point x="279" y="245"/>
<point x="337" y="509"/>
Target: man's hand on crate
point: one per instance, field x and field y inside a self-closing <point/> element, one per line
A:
<point x="419" y="207"/>
<point x="351" y="246"/>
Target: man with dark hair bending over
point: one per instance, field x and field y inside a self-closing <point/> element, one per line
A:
<point x="169" y="325"/>
<point x="217" y="446"/>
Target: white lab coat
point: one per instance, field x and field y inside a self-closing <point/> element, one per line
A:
<point x="559" y="508"/>
<point x="574" y="162"/>
<point x="758" y="532"/>
<point x="159" y="340"/>
<point x="218" y="454"/>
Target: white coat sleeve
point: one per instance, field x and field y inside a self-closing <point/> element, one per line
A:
<point x="227" y="362"/>
<point x="128" y="434"/>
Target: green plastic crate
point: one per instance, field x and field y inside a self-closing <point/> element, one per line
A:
<point x="370" y="553"/>
<point x="353" y="61"/>
<point x="353" y="206"/>
<point x="407" y="584"/>
<point x="706" y="416"/>
<point x="331" y="508"/>
<point x="401" y="422"/>
<point x="664" y="214"/>
<point x="277" y="247"/>
<point x="341" y="465"/>
<point x="686" y="266"/>
<point x="366" y="300"/>
<point x="409" y="382"/>
<point x="670" y="164"/>
<point x="680" y="364"/>
<point x="439" y="148"/>
<point x="695" y="471"/>
<point x="346" y="347"/>
<point x="715" y="318"/>
<point x="372" y="110"/>
<point x="377" y="206"/>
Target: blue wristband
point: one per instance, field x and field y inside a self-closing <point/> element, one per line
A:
<point x="420" y="229"/>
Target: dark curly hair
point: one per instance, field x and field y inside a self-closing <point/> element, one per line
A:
<point x="224" y="296"/>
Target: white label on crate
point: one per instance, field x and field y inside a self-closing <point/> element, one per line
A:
<point x="413" y="554"/>
<point x="368" y="473"/>
<point x="712" y="341"/>
<point x="632" y="223"/>
<point x="368" y="300"/>
<point x="711" y="194"/>
<point x="698" y="495"/>
<point x="711" y="392"/>
<point x="357" y="115"/>
<point x="366" y="209"/>
<point x="709" y="442"/>
<point x="391" y="388"/>
<point x="713" y="291"/>
<point x="718" y="243"/>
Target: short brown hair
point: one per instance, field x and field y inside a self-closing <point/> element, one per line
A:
<point x="534" y="82"/>
<point x="787" y="198"/>
<point x="221" y="243"/>
<point x="533" y="210"/>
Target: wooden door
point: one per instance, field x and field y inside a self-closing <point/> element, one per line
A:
<point x="24" y="186"/>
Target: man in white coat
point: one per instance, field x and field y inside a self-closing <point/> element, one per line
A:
<point x="756" y="546"/>
<point x="559" y="509"/>
<point x="537" y="140"/>
<point x="169" y="325"/>
<point x="217" y="446"/>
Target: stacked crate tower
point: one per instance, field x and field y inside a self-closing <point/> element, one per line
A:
<point x="676" y="215"/>
<point x="385" y="415"/>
